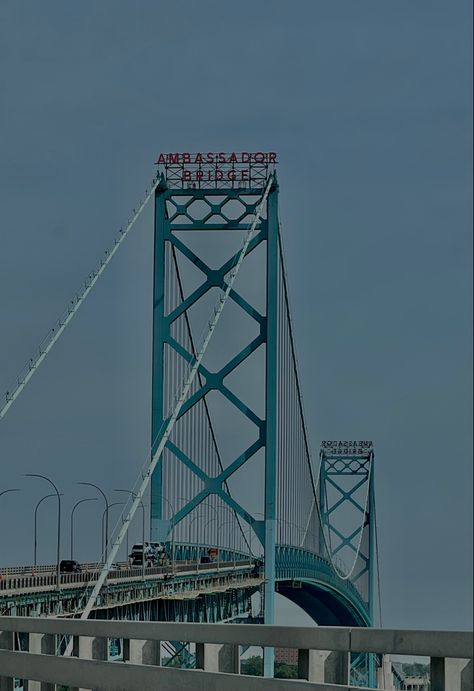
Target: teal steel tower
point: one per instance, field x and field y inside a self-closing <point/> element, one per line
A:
<point x="185" y="209"/>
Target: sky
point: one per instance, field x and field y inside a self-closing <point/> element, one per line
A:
<point x="369" y="106"/>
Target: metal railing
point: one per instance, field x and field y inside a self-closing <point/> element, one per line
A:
<point x="89" y="668"/>
<point x="29" y="570"/>
<point x="47" y="580"/>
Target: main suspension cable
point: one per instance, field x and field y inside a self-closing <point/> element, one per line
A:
<point x="326" y="538"/>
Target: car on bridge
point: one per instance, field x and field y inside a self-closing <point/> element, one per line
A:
<point x="69" y="566"/>
<point x="154" y="554"/>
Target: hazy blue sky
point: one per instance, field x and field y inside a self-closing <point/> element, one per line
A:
<point x="369" y="107"/>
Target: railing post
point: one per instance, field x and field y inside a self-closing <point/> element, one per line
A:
<point x="229" y="659"/>
<point x="384" y="673"/>
<point x="141" y="652"/>
<point x="337" y="667"/>
<point x="215" y="657"/>
<point x="7" y="643"/>
<point x="310" y="665"/>
<point x="45" y="644"/>
<point x="202" y="656"/>
<point x="437" y="673"/>
<point x="90" y="648"/>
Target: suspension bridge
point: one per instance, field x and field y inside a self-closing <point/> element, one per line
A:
<point x="230" y="465"/>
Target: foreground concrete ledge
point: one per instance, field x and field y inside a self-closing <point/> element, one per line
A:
<point x="457" y="644"/>
<point x="108" y="676"/>
<point x="318" y="638"/>
<point x="406" y="642"/>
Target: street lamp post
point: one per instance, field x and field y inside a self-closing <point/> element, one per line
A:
<point x="250" y="543"/>
<point x="198" y="546"/>
<point x="91" y="484"/>
<point x="219" y="525"/>
<point x="235" y="519"/>
<point x="35" y="529"/>
<point x="6" y="491"/>
<point x="172" y="530"/>
<point x="58" y="549"/>
<point x="133" y="494"/>
<point x="81" y="501"/>
<point x="233" y="550"/>
<point x="205" y="503"/>
<point x="211" y="520"/>
<point x="106" y="516"/>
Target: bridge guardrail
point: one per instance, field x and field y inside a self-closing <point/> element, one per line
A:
<point x="29" y="570"/>
<point x="91" y="670"/>
<point x="24" y="583"/>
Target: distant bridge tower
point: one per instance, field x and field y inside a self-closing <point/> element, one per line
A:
<point x="347" y="505"/>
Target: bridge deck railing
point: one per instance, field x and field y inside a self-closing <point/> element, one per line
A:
<point x="46" y="581"/>
<point x="90" y="669"/>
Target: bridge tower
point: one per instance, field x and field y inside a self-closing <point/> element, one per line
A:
<point x="200" y="199"/>
<point x="347" y="507"/>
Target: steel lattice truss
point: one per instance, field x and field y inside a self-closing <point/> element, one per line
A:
<point x="346" y="480"/>
<point x="191" y="476"/>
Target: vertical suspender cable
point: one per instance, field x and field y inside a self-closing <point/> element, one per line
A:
<point x="306" y="443"/>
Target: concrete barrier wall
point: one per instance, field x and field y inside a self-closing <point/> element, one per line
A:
<point x="216" y="648"/>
